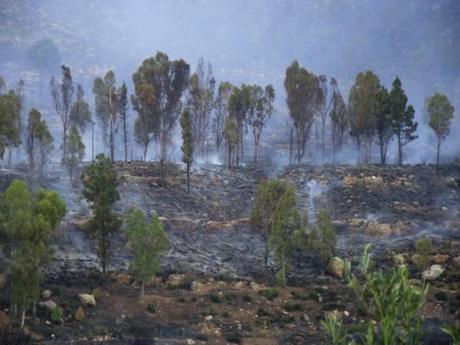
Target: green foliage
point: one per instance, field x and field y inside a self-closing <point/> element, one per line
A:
<point x="100" y="185"/>
<point x="402" y="117"/>
<point x="423" y="248"/>
<point x="335" y="331"/>
<point x="269" y="293"/>
<point x="80" y="113"/>
<point x="28" y="221"/>
<point x="39" y="142"/>
<point x="440" y="113"/>
<point x="74" y="153"/>
<point x="156" y="80"/>
<point x="323" y="238"/>
<point x="389" y="301"/>
<point x="453" y="332"/>
<point x="293" y="307"/>
<point x="383" y="122"/>
<point x="214" y="298"/>
<point x="148" y="243"/>
<point x="151" y="308"/>
<point x="57" y="313"/>
<point x="303" y="101"/>
<point x="231" y="135"/>
<point x="10" y="119"/>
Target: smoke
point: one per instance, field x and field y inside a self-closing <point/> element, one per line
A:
<point x="246" y="41"/>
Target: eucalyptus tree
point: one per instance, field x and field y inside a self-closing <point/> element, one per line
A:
<point x="362" y="108"/>
<point x="222" y="103"/>
<point x="10" y="119"/>
<point x="402" y="117"/>
<point x="63" y="94"/>
<point x="107" y="103"/>
<point x="159" y="84"/>
<point x="123" y="105"/>
<point x="303" y="101"/>
<point x="261" y="110"/>
<point x="201" y="103"/>
<point x="339" y="120"/>
<point x="440" y="113"/>
<point x="383" y="123"/>
<point x="187" y="143"/>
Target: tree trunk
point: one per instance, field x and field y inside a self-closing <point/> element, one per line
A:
<point x="112" y="144"/>
<point x="142" y="293"/>
<point x="266" y="254"/>
<point x="23" y="317"/>
<point x="125" y="138"/>
<point x="256" y="145"/>
<point x="399" y="150"/>
<point x="438" y="151"/>
<point x="188" y="177"/>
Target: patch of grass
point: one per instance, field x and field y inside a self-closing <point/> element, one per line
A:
<point x="333" y="306"/>
<point x="57" y="313"/>
<point x="299" y="296"/>
<point x="293" y="307"/>
<point x="151" y="308"/>
<point x="181" y="299"/>
<point x="232" y="336"/>
<point x="230" y="298"/>
<point x="269" y="293"/>
<point x="214" y="298"/>
<point x="261" y="312"/>
<point x="225" y="314"/>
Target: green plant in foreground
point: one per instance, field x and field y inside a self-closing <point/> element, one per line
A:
<point x="57" y="313"/>
<point x="453" y="332"/>
<point x="423" y="248"/>
<point x="389" y="301"/>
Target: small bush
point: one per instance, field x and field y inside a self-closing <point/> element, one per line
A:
<point x="151" y="308"/>
<point x="232" y="336"/>
<point x="261" y="312"/>
<point x="57" y="313"/>
<point x="292" y="307"/>
<point x="269" y="293"/>
<point x="299" y="296"/>
<point x="214" y="298"/>
<point x="247" y="298"/>
<point x="423" y="248"/>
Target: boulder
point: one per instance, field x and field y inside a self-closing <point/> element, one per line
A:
<point x="49" y="305"/>
<point x="433" y="273"/>
<point x="379" y="229"/>
<point x="79" y="314"/>
<point x="336" y="266"/>
<point x="87" y="299"/>
<point x="440" y="258"/>
<point x="46" y="294"/>
<point x="175" y="280"/>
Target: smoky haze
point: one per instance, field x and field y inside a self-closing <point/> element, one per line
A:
<point x="248" y="41"/>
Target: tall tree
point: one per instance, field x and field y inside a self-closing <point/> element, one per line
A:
<point x="339" y="119"/>
<point x="107" y="108"/>
<point x="239" y="107"/>
<point x="159" y="85"/>
<point x="326" y="102"/>
<point x="10" y="119"/>
<point x="201" y="103"/>
<point x="231" y="135"/>
<point x="80" y="113"/>
<point x="100" y="185"/>
<point x="404" y="126"/>
<point x="223" y="97"/>
<point x="303" y="101"/>
<point x="148" y="243"/>
<point x="262" y="109"/>
<point x="383" y="122"/>
<point x="74" y="153"/>
<point x="2" y="85"/>
<point x="123" y="105"/>
<point x="187" y="143"/>
<point x="63" y="94"/>
<point x="362" y="107"/>
<point x="440" y="113"/>
<point x="39" y="143"/>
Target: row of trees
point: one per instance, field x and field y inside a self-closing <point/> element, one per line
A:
<point x="373" y="114"/>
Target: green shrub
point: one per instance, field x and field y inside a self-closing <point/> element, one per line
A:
<point x="247" y="298"/>
<point x="57" y="313"/>
<point x="423" y="248"/>
<point x="292" y="307"/>
<point x="151" y="308"/>
<point x="269" y="293"/>
<point x="214" y="298"/>
<point x="391" y="303"/>
<point x="299" y="296"/>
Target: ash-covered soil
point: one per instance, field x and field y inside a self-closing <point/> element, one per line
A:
<point x="208" y="292"/>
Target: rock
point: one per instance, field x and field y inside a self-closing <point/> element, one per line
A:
<point x="175" y="280"/>
<point x="240" y="285"/>
<point x="87" y="299"/>
<point x="208" y="318"/>
<point x="336" y="266"/>
<point x="199" y="288"/>
<point x="357" y="222"/>
<point x="433" y="273"/>
<point x="415" y="258"/>
<point x="49" y="305"/>
<point x="46" y="294"/>
<point x="456" y="261"/>
<point x="4" y="321"/>
<point x="379" y="229"/>
<point x="79" y="314"/>
<point x="440" y="258"/>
